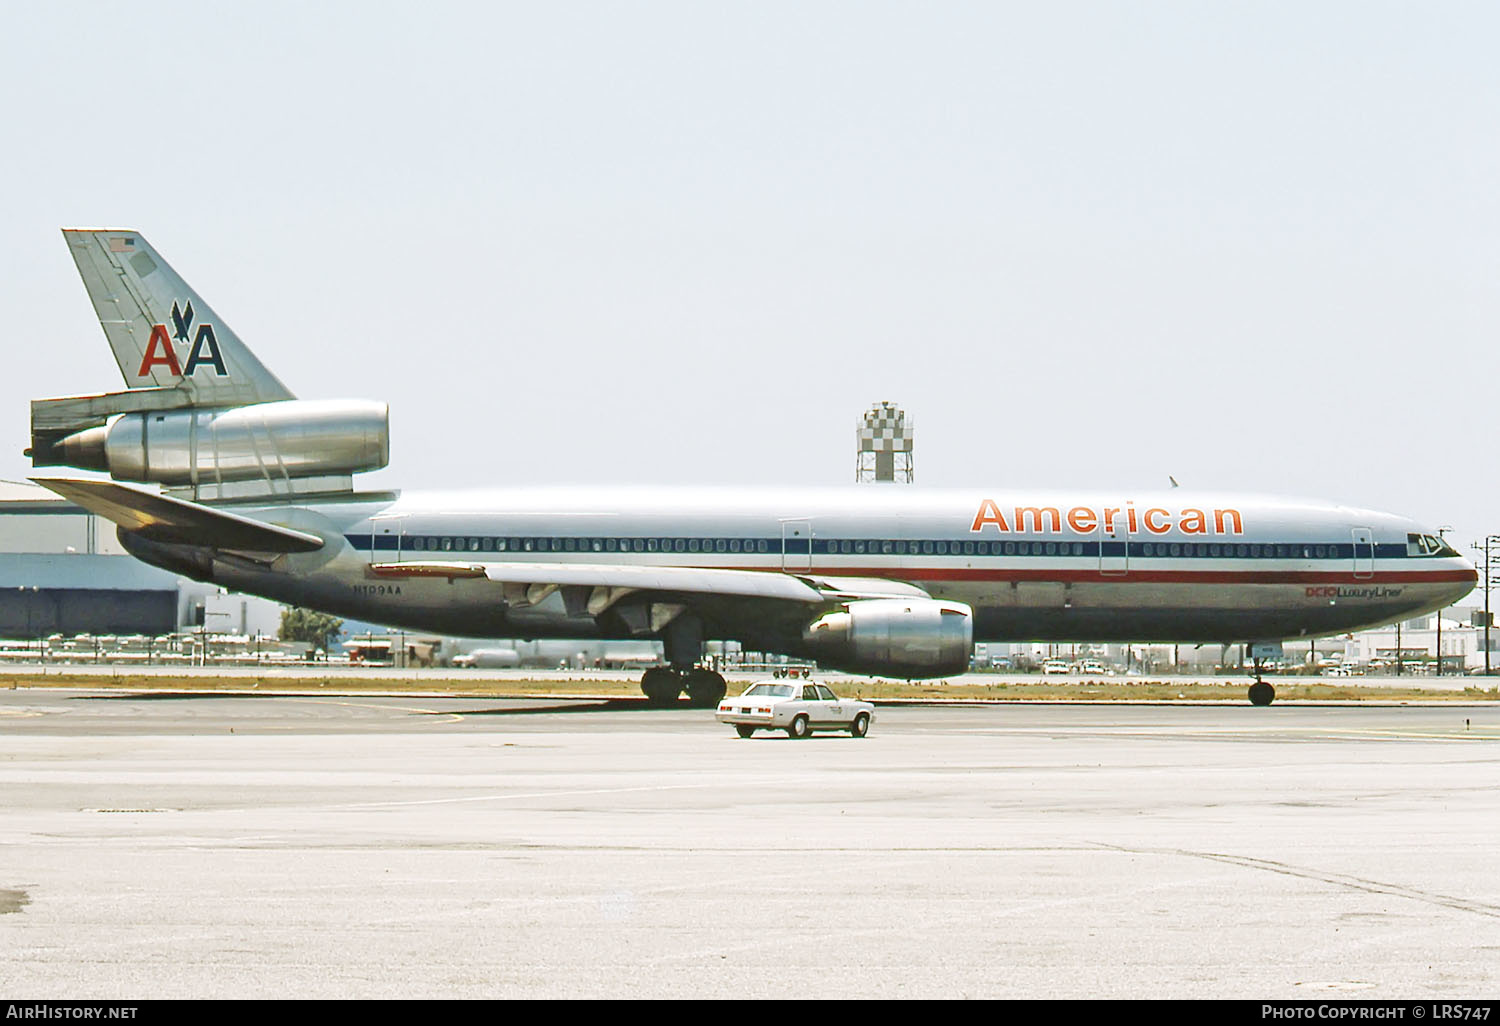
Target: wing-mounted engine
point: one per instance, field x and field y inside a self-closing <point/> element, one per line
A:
<point x="289" y="447"/>
<point x="898" y="637"/>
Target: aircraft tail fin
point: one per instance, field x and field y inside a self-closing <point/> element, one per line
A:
<point x="163" y="334"/>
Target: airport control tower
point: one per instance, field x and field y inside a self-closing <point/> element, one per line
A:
<point x="885" y="445"/>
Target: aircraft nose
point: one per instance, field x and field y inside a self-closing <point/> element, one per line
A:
<point x="1465" y="577"/>
<point x="1455" y="573"/>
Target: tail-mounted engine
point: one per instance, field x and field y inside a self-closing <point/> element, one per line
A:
<point x="263" y="448"/>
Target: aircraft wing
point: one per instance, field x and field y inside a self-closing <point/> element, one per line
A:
<point x="162" y="518"/>
<point x="743" y="583"/>
<point x="604" y="584"/>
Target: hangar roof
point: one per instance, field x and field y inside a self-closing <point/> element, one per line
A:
<point x="25" y="491"/>
<point x="76" y="570"/>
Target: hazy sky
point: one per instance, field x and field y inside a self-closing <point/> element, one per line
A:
<point x="1250" y="245"/>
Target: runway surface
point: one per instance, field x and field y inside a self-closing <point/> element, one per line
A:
<point x="324" y="846"/>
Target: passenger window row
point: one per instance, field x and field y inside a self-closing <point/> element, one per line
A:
<point x="886" y="547"/>
<point x="450" y="543"/>
<point x="1252" y="551"/>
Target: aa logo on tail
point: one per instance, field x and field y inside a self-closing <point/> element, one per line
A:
<point x="159" y="351"/>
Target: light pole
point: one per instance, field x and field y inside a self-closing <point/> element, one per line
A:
<point x="1489" y="543"/>
<point x="203" y="634"/>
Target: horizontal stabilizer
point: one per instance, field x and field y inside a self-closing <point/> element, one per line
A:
<point x="75" y="412"/>
<point x="161" y="518"/>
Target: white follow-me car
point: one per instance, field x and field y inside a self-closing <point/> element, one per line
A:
<point x="798" y="707"/>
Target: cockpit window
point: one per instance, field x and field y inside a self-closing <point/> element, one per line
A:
<point x="1428" y="545"/>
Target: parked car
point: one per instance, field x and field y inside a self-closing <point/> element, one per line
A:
<point x="1056" y="666"/>
<point x="798" y="707"/>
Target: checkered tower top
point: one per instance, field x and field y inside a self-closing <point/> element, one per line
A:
<point x="885" y="428"/>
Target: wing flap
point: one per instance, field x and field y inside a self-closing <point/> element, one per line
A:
<point x="176" y="521"/>
<point x="683" y="579"/>
<point x="855" y="588"/>
<point x="760" y="584"/>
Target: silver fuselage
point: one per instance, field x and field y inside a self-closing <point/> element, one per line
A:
<point x="1170" y="567"/>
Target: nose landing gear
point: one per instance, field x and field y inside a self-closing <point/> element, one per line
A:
<point x="1261" y="693"/>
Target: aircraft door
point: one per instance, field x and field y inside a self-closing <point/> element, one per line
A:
<point x="796" y="545"/>
<point x="388" y="541"/>
<point x="1364" y="552"/>
<point x="1114" y="545"/>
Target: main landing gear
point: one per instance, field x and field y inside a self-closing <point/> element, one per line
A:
<point x="662" y="685"/>
<point x="1261" y="693"/>
<point x="683" y="641"/>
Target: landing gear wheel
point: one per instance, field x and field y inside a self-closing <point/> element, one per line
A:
<point x="745" y="731"/>
<point x="704" y="687"/>
<point x="861" y="725"/>
<point x="1262" y="693"/>
<point x="661" y="685"/>
<point x="798" y="728"/>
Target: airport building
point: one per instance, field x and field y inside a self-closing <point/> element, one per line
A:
<point x="63" y="571"/>
<point x="1415" y="644"/>
<point x="1461" y="642"/>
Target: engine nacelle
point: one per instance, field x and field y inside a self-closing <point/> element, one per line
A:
<point x="294" y="438"/>
<point x="910" y="638"/>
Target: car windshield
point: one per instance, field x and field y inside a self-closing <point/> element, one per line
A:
<point x="771" y="690"/>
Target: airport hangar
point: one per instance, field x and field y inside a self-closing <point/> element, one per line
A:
<point x="63" y="571"/>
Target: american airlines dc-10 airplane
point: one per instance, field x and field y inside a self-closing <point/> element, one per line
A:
<point x="259" y="497"/>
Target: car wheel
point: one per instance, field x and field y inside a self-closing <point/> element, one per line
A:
<point x="861" y="725"/>
<point x="745" y="731"/>
<point x="798" y="727"/>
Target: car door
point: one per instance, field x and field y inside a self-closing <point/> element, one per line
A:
<point x="813" y="705"/>
<point x="834" y="710"/>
